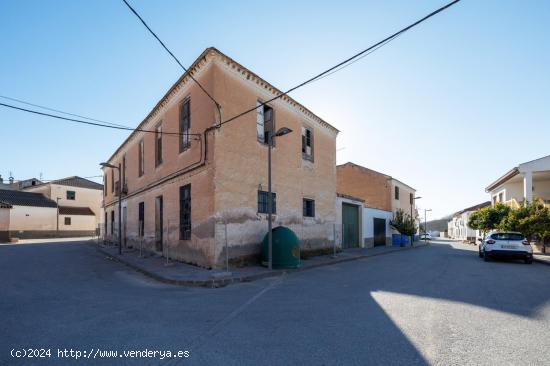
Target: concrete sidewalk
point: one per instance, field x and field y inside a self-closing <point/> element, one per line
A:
<point x="542" y="258"/>
<point x="178" y="273"/>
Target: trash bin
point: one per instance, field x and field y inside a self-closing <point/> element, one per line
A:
<point x="286" y="248"/>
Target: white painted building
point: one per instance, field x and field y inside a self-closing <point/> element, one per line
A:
<point x="523" y="183"/>
<point x="458" y="228"/>
<point x="26" y="215"/>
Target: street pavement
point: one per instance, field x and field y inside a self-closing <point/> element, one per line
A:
<point x="436" y="305"/>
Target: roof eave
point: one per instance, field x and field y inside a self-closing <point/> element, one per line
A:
<point x="507" y="176"/>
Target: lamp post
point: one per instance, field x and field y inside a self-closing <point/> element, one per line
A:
<point x="426" y="224"/>
<point x="57" y="223"/>
<point x="107" y="165"/>
<point x="412" y="218"/>
<point x="281" y="132"/>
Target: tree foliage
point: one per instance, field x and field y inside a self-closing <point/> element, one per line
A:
<point x="532" y="219"/>
<point x="488" y="218"/>
<point x="403" y="223"/>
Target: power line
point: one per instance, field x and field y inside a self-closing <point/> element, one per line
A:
<point x="174" y="57"/>
<point x="344" y="63"/>
<point x="63" y="112"/>
<point x="94" y="123"/>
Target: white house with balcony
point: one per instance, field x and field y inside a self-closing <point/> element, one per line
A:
<point x="523" y="183"/>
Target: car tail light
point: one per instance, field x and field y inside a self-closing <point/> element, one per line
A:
<point x="490" y="241"/>
<point x="525" y="242"/>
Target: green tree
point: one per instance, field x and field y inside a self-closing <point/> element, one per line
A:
<point x="404" y="224"/>
<point x="488" y="218"/>
<point x="532" y="219"/>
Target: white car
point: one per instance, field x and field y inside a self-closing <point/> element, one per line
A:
<point x="425" y="236"/>
<point x="506" y="244"/>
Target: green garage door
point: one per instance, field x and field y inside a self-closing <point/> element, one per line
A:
<point x="350" y="222"/>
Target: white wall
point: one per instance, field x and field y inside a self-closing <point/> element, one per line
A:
<point x="78" y="222"/>
<point x="368" y="225"/>
<point x="32" y="218"/>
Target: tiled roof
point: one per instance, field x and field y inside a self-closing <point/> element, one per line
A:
<point x="21" y="198"/>
<point x="67" y="210"/>
<point x="474" y="208"/>
<point x="74" y="181"/>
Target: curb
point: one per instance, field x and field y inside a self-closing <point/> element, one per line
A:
<point x="222" y="282"/>
<point x="541" y="261"/>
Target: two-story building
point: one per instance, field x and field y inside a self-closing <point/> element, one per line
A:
<point x="367" y="200"/>
<point x="457" y="226"/>
<point x="523" y="183"/>
<point x="192" y="187"/>
<point x="79" y="204"/>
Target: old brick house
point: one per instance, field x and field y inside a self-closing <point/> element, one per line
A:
<point x="367" y="200"/>
<point x="185" y="179"/>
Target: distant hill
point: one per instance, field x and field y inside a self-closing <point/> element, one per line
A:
<point x="437" y="225"/>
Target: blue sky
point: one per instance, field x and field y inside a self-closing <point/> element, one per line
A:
<point x="447" y="107"/>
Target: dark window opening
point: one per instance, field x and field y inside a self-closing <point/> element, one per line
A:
<point x="309" y="208"/>
<point x="141" y="157"/>
<point x="307" y="144"/>
<point x="185" y="125"/>
<point x="141" y="218"/>
<point x="67" y="220"/>
<point x="185" y="212"/>
<point x="263" y="202"/>
<point x="112" y="181"/>
<point x="411" y="198"/>
<point x="396" y="193"/>
<point x="265" y="123"/>
<point x="71" y="195"/>
<point x="158" y="145"/>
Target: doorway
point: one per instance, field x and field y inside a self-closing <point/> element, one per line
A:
<point x="124" y="227"/>
<point x="379" y="231"/>
<point x="158" y="223"/>
<point x="350" y="226"/>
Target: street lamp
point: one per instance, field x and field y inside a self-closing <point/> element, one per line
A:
<point x="57" y="227"/>
<point x="426" y="224"/>
<point x="107" y="165"/>
<point x="281" y="132"/>
<point x="412" y="218"/>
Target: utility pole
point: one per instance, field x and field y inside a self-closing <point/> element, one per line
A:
<point x="281" y="132"/>
<point x="57" y="223"/>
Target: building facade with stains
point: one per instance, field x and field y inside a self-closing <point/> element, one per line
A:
<point x="192" y="187"/>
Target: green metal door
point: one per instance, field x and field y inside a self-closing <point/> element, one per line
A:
<point x="350" y="223"/>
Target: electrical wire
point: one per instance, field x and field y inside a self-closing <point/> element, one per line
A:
<point x="95" y="123"/>
<point x="63" y="112"/>
<point x="344" y="63"/>
<point x="218" y="106"/>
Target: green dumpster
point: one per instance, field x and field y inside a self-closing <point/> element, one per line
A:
<point x="286" y="248"/>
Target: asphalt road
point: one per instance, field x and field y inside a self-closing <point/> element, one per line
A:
<point x="437" y="305"/>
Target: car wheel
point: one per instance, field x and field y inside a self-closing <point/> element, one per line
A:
<point x="485" y="257"/>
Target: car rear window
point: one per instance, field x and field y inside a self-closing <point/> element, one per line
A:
<point x="507" y="236"/>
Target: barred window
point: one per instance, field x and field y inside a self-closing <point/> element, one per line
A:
<point x="309" y="207"/>
<point x="263" y="204"/>
<point x="185" y="212"/>
<point x="71" y="195"/>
